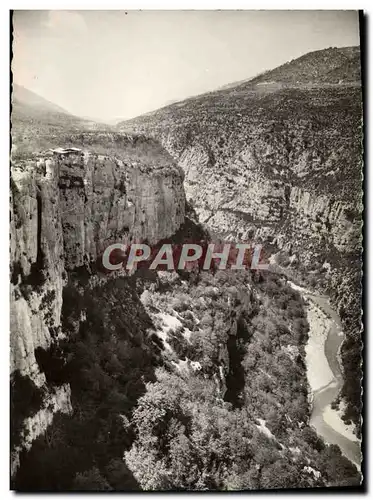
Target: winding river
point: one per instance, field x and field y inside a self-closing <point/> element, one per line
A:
<point x="325" y="395"/>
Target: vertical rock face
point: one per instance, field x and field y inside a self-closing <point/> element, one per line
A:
<point x="65" y="209"/>
<point x="282" y="163"/>
<point x="254" y="190"/>
<point x="335" y="219"/>
<point x="104" y="200"/>
<point x="37" y="263"/>
<point x="279" y="166"/>
<point x="58" y="400"/>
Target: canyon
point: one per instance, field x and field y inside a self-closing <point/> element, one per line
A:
<point x="118" y="380"/>
<point x="281" y="165"/>
<point x="66" y="206"/>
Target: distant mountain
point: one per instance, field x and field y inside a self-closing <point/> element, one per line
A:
<point x="332" y="65"/>
<point x="25" y="100"/>
<point x="235" y="84"/>
<point x="39" y="124"/>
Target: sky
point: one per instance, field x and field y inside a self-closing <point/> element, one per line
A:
<point x="117" y="64"/>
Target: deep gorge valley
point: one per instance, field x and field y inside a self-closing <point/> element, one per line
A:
<point x="186" y="380"/>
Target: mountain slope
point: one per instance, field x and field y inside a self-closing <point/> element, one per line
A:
<point x="281" y="163"/>
<point x="333" y="66"/>
<point x="321" y="66"/>
<point x="39" y="124"/>
<point x="24" y="98"/>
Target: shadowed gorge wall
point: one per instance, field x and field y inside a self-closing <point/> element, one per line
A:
<point x="66" y="207"/>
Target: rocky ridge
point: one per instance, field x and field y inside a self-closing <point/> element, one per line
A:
<point x="66" y="207"/>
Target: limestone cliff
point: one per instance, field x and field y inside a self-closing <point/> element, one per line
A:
<point x="66" y="207"/>
<point x="285" y="161"/>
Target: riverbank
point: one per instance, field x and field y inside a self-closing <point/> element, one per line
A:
<point x="319" y="373"/>
<point x="324" y="374"/>
<point x="334" y="419"/>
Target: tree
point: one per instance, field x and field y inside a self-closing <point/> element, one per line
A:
<point x="90" y="481"/>
<point x="120" y="477"/>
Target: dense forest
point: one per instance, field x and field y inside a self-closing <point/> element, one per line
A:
<point x="191" y="381"/>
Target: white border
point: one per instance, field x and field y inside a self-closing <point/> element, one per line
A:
<point x="187" y="5"/>
<point x="4" y="184"/>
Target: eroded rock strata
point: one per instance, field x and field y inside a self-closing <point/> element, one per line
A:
<point x="66" y="207"/>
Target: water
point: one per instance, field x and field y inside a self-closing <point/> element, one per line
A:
<point x="327" y="394"/>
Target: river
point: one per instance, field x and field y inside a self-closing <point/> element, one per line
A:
<point x="325" y="395"/>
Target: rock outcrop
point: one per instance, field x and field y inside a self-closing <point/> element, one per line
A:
<point x="66" y="207"/>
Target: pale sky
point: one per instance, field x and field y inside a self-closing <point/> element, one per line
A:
<point x="113" y="64"/>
